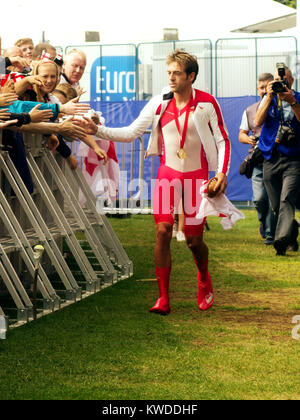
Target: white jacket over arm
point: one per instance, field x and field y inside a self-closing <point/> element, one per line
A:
<point x="208" y="120"/>
<point x="136" y="128"/>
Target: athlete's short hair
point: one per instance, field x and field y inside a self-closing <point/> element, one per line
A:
<point x="187" y="61"/>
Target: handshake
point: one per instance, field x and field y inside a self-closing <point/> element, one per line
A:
<point x="90" y="125"/>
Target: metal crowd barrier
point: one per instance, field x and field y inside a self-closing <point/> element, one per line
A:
<point x="82" y="253"/>
<point x="138" y="202"/>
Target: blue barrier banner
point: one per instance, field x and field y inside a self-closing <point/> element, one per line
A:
<point x="120" y="114"/>
<point x="113" y="79"/>
<point x="239" y="187"/>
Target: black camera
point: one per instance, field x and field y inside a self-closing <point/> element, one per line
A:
<point x="286" y="136"/>
<point x="280" y="86"/>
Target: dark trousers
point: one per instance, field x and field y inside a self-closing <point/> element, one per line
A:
<point x="282" y="181"/>
<point x="261" y="202"/>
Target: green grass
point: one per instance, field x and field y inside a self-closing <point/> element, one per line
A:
<point x="109" y="346"/>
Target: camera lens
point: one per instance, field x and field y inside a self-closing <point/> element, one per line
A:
<point x="279" y="87"/>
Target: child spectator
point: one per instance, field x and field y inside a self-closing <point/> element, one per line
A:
<point x="26" y="46"/>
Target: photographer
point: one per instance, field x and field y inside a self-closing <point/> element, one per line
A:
<point x="279" y="142"/>
<point x="261" y="202"/>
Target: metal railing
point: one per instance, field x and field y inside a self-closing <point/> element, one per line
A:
<point x="229" y="67"/>
<point x="239" y="62"/>
<point x="136" y="178"/>
<point x="82" y="254"/>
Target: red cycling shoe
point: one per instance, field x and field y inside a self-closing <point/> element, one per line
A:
<point x="205" y="293"/>
<point x="161" y="307"/>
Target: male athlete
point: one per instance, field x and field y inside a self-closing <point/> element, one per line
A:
<point x="189" y="135"/>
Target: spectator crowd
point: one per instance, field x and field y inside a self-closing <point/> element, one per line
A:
<point x="40" y="93"/>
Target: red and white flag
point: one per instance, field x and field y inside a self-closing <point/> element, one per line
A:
<point x="45" y="57"/>
<point x="219" y="206"/>
<point x="103" y="179"/>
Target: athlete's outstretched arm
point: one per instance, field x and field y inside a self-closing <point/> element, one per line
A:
<point x="122" y="134"/>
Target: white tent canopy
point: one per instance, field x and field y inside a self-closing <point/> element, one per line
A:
<point x="65" y="22"/>
<point x="271" y="25"/>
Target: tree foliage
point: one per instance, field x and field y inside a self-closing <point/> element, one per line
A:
<point x="290" y="3"/>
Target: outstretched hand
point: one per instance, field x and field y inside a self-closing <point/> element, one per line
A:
<point x="19" y="62"/>
<point x="4" y="114"/>
<point x="74" y="108"/>
<point x="35" y="80"/>
<point x="68" y="129"/>
<point x="37" y="115"/>
<point x="87" y="124"/>
<point x="4" y="124"/>
<point x="101" y="154"/>
<point x="7" y="99"/>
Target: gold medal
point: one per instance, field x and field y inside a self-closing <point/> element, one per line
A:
<point x="181" y="153"/>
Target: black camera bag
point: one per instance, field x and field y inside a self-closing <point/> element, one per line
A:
<point x="254" y="158"/>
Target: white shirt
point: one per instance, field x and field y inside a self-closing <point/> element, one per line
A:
<point x="244" y="124"/>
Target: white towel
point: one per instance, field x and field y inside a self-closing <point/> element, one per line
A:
<point x="218" y="206"/>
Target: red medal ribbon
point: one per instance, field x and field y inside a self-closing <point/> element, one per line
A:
<point x="183" y="136"/>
